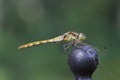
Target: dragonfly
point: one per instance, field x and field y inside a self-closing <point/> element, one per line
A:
<point x="71" y="37"/>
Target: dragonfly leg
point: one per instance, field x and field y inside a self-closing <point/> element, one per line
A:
<point x="77" y="44"/>
<point x="66" y="46"/>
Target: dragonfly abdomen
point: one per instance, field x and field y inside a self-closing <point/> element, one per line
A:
<point x="56" y="39"/>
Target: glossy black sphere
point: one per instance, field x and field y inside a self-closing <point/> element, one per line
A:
<point x="83" y="61"/>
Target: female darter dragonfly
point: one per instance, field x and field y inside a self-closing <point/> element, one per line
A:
<point x="71" y="37"/>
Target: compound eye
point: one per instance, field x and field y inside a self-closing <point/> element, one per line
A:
<point x="82" y="36"/>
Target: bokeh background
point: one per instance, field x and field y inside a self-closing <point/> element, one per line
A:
<point x="23" y="21"/>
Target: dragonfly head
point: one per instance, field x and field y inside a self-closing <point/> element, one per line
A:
<point x="81" y="37"/>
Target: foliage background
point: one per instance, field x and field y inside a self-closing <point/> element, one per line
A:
<point x="23" y="21"/>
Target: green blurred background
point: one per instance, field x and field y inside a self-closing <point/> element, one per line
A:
<point x="23" y="21"/>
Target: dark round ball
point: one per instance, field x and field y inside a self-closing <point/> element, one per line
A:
<point x="83" y="60"/>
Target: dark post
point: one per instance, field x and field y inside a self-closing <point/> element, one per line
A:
<point x="83" y="61"/>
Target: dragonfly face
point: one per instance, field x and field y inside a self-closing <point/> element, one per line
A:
<point x="81" y="37"/>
